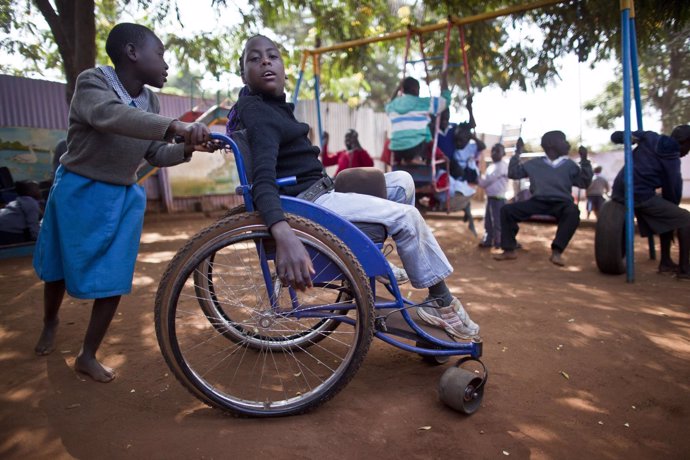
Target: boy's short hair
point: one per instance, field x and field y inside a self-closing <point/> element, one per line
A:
<point x="681" y="133"/>
<point x="555" y="140"/>
<point x="598" y="169"/>
<point x="410" y="85"/>
<point x="121" y="35"/>
<point x="499" y="146"/>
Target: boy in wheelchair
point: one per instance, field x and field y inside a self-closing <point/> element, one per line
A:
<point x="280" y="148"/>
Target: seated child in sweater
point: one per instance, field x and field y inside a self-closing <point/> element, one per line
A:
<point x="551" y="181"/>
<point x="280" y="147"/>
<point x="20" y="219"/>
<point x="656" y="165"/>
<point x="90" y="234"/>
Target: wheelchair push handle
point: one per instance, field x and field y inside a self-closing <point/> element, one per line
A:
<point x="177" y="139"/>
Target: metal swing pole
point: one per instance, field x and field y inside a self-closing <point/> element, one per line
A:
<point x="302" y="66"/>
<point x="638" y="98"/>
<point x="437" y="123"/>
<point x="625" y="6"/>
<point x="426" y="66"/>
<point x="407" y="54"/>
<point x="465" y="62"/>
<point x="317" y="95"/>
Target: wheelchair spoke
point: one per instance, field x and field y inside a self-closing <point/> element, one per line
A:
<point x="246" y="343"/>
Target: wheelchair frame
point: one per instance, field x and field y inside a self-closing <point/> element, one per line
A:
<point x="459" y="388"/>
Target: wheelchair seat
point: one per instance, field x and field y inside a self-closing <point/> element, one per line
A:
<point x="365" y="180"/>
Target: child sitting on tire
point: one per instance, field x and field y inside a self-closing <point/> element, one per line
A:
<point x="656" y="164"/>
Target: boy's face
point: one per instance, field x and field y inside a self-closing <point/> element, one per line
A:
<point x="497" y="153"/>
<point x="150" y="63"/>
<point x="264" y="71"/>
<point x="462" y="138"/>
<point x="350" y="141"/>
<point x="443" y="122"/>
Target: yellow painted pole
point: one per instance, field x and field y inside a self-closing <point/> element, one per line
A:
<point x="434" y="27"/>
<point x="303" y="61"/>
<point x="504" y="12"/>
<point x="148" y="174"/>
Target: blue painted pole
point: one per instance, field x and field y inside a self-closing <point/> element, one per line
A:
<point x="299" y="83"/>
<point x="638" y="102"/>
<point x="635" y="74"/>
<point x="628" y="168"/>
<point x="317" y="96"/>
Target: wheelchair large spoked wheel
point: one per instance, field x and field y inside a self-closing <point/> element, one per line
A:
<point x="215" y="310"/>
<point x="242" y="343"/>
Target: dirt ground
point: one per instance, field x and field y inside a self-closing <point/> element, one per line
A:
<point x="582" y="365"/>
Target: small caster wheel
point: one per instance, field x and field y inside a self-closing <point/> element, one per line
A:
<point x="435" y="360"/>
<point x="461" y="390"/>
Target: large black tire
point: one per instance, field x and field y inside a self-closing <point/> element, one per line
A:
<point x="280" y="360"/>
<point x="609" y="238"/>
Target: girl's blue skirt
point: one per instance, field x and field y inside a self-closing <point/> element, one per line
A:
<point x="90" y="235"/>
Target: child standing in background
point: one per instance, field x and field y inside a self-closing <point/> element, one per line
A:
<point x="596" y="192"/>
<point x="495" y="184"/>
<point x="89" y="240"/>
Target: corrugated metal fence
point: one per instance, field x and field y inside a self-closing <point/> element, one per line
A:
<point x="338" y="118"/>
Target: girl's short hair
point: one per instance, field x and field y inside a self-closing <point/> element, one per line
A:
<point x="121" y="35"/>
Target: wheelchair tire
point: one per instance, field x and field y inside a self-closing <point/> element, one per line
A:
<point x="609" y="238"/>
<point x="285" y="356"/>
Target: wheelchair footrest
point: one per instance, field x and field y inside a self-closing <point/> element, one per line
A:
<point x="396" y="325"/>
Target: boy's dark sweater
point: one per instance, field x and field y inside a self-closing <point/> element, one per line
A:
<point x="549" y="182"/>
<point x="656" y="164"/>
<point x="279" y="148"/>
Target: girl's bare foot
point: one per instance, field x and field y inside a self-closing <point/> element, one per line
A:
<point x="94" y="369"/>
<point x="46" y="342"/>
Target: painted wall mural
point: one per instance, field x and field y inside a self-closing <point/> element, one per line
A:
<point x="28" y="152"/>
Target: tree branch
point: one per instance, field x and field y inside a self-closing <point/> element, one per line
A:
<point x="56" y="27"/>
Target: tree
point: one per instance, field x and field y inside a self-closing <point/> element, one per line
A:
<point x="505" y="52"/>
<point x="357" y="75"/>
<point x="664" y="83"/>
<point x="78" y="29"/>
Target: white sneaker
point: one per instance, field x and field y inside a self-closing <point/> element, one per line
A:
<point x="453" y="318"/>
<point x="399" y="273"/>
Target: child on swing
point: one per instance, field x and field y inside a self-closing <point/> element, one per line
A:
<point x="409" y="115"/>
<point x="280" y="147"/>
<point x="90" y="234"/>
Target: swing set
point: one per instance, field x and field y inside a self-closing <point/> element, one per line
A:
<point x="425" y="177"/>
<point x="630" y="76"/>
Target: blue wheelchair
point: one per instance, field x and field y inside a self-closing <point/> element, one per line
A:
<point x="240" y="341"/>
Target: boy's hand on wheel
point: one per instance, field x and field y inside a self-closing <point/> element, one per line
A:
<point x="293" y="264"/>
